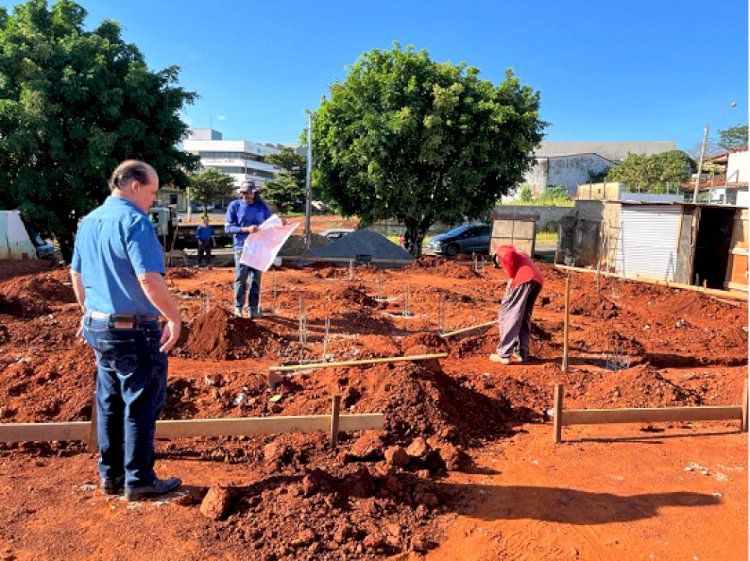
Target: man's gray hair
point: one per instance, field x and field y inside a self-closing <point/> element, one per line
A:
<point x="129" y="171"/>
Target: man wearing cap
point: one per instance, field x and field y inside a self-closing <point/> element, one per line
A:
<point x="243" y="218"/>
<point x="118" y="279"/>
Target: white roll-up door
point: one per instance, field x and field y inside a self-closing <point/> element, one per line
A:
<point x="648" y="241"/>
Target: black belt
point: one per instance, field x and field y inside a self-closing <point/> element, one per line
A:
<point x="122" y="321"/>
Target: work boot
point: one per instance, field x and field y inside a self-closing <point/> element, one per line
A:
<point x="112" y="486"/>
<point x="501" y="359"/>
<point x="158" y="487"/>
<point x="256" y="314"/>
<point x="511" y="359"/>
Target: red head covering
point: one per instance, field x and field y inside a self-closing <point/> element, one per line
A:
<point x="518" y="265"/>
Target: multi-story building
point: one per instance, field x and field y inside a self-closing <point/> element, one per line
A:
<point x="239" y="159"/>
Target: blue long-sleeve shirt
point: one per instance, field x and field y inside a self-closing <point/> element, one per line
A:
<point x="204" y="233"/>
<point x="240" y="214"/>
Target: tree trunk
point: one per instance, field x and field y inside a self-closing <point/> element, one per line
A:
<point x="66" y="246"/>
<point x="415" y="234"/>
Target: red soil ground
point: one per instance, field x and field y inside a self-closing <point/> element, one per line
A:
<point x="488" y="483"/>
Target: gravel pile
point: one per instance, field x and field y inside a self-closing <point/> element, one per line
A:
<point x="364" y="245"/>
<point x="295" y="245"/>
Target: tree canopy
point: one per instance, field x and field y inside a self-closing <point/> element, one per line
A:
<point x="73" y="104"/>
<point x="288" y="188"/>
<point x="733" y="137"/>
<point x="653" y="174"/>
<point x="209" y="184"/>
<point x="408" y="138"/>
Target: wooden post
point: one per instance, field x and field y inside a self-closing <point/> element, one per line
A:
<point x="93" y="443"/>
<point x="335" y="421"/>
<point x="567" y="321"/>
<point x="558" y="413"/>
<point x="744" y="407"/>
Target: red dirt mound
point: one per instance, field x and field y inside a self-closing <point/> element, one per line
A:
<point x="31" y="296"/>
<point x="216" y="334"/>
<point x="443" y="267"/>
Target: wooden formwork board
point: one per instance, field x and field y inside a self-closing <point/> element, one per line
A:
<point x="166" y="430"/>
<point x="651" y="415"/>
<point x="741" y="294"/>
<point x="470" y="328"/>
<point x="311" y="365"/>
<point x="571" y="417"/>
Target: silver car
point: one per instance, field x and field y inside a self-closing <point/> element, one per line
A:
<point x="467" y="238"/>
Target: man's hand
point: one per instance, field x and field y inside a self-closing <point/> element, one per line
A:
<point x="170" y="335"/>
<point x="250" y="229"/>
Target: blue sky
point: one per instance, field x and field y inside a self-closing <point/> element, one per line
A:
<point x="635" y="70"/>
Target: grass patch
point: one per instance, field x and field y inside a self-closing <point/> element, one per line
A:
<point x="546" y="237"/>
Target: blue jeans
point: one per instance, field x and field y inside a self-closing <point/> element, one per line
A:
<point x="241" y="274"/>
<point x="131" y="387"/>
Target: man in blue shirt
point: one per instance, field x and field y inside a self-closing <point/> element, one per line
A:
<point x="205" y="236"/>
<point x="118" y="279"/>
<point x="243" y="218"/>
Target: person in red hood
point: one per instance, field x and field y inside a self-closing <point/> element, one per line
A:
<point x="525" y="283"/>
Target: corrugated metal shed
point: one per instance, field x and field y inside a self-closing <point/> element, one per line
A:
<point x="647" y="244"/>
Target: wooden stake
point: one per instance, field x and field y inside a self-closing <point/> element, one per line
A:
<point x="567" y="321"/>
<point x="558" y="413"/>
<point x="93" y="443"/>
<point x="466" y="329"/>
<point x="335" y="421"/>
<point x="308" y="366"/>
<point x="744" y="407"/>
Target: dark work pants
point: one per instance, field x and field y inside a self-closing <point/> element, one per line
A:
<point x="204" y="253"/>
<point x="515" y="319"/>
<point x="131" y="384"/>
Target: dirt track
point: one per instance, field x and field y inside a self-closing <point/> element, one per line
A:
<point x="625" y="492"/>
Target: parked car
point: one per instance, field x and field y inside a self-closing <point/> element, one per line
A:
<point x="44" y="249"/>
<point x="336" y="233"/>
<point x="467" y="238"/>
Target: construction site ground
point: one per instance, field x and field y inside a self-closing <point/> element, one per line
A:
<point x="465" y="467"/>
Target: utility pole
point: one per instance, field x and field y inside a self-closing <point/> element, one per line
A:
<point x="703" y="150"/>
<point x="700" y="162"/>
<point x="308" y="182"/>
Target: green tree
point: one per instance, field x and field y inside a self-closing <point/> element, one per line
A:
<point x="653" y="174"/>
<point x="525" y="195"/>
<point x="288" y="188"/>
<point x="209" y="184"/>
<point x="284" y="191"/>
<point x="672" y="169"/>
<point x="419" y="141"/>
<point x="73" y="104"/>
<point x="733" y="137"/>
<point x="288" y="160"/>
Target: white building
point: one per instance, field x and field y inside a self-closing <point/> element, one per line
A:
<point x="730" y="188"/>
<point x="569" y="171"/>
<point x="572" y="163"/>
<point x="239" y="159"/>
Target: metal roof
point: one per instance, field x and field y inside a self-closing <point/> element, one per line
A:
<point x="617" y="150"/>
